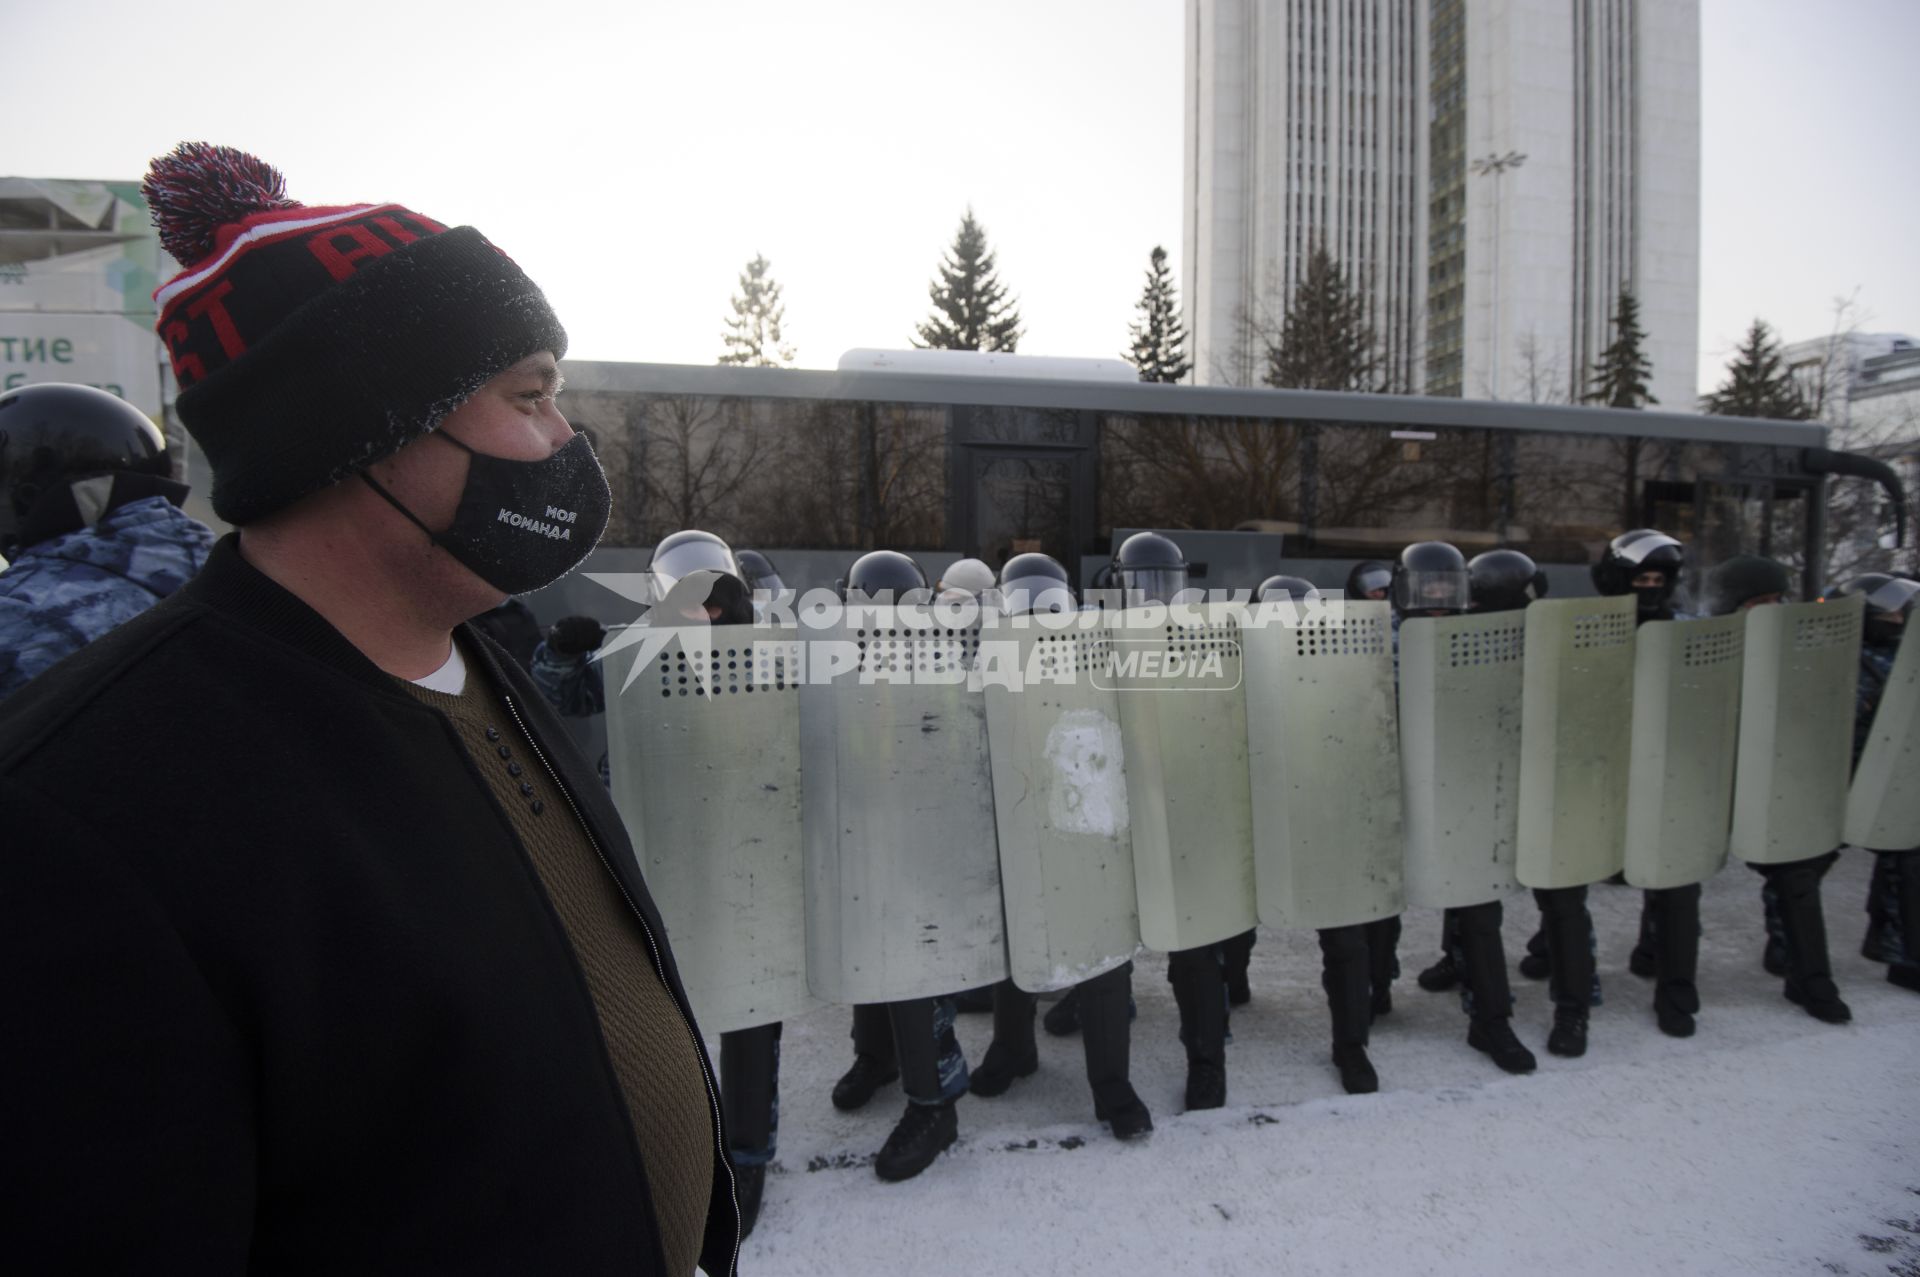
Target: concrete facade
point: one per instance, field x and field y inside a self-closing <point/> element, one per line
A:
<point x="1600" y="96"/>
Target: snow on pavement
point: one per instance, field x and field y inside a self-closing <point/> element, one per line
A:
<point x="1767" y="1143"/>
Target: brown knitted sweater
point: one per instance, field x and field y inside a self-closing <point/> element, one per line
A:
<point x="653" y="1054"/>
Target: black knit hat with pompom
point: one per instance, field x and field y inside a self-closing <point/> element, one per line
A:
<point x="311" y="342"/>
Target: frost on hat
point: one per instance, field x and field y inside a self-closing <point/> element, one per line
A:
<point x="310" y="342"/>
<point x="970" y="575"/>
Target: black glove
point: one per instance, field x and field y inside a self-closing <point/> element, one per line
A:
<point x="572" y="635"/>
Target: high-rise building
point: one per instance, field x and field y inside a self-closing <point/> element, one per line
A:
<point x="1365" y="125"/>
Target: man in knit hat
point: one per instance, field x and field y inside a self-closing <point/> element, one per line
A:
<point x="325" y="950"/>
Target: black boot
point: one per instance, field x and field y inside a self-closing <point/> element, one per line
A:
<point x="974" y="1001"/>
<point x="923" y="1131"/>
<point x="1105" y="1005"/>
<point x="1671" y="926"/>
<point x="1383" y="962"/>
<point x="1569" y="929"/>
<point x="1199" y="990"/>
<point x="1569" y="1035"/>
<point x="873" y="1062"/>
<point x="1809" y="981"/>
<point x="1439" y="977"/>
<point x="1493" y="1035"/>
<point x="1062" y="1019"/>
<point x="1534" y="963"/>
<point x="1345" y="975"/>
<point x="1236" y="955"/>
<point x="1905" y="977"/>
<point x="1012" y="1053"/>
<point x="1641" y="961"/>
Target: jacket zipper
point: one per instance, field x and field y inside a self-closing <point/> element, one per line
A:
<point x="659" y="968"/>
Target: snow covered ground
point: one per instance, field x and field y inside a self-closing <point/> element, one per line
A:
<point x="1767" y="1143"/>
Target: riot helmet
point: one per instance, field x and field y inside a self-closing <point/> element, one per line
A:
<point x="759" y="572"/>
<point x="887" y="576"/>
<point x="1296" y="588"/>
<point x="969" y="576"/>
<point x="1746" y="580"/>
<point x="1631" y="555"/>
<point x="1890" y="602"/>
<point x="1151" y="566"/>
<point x="691" y="550"/>
<point x="1370" y="579"/>
<point x="1035" y="583"/>
<point x="1505" y="580"/>
<point x="1431" y="579"/>
<point x="54" y="435"/>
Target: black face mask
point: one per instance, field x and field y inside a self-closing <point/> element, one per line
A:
<point x="522" y="524"/>
<point x="1652" y="599"/>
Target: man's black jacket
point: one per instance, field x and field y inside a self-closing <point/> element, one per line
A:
<point x="279" y="989"/>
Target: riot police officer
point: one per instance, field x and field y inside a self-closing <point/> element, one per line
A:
<point x="1038" y="583"/>
<point x="1647" y="564"/>
<point x="1893" y="897"/>
<point x="89" y="517"/>
<point x="760" y="574"/>
<point x="1149" y="568"/>
<point x="911" y="1040"/>
<point x="1791" y="895"/>
<point x="1370" y="579"/>
<point x="1356" y="970"/>
<point x="1433" y="579"/>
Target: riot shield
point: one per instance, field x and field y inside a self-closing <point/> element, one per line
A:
<point x="1686" y="722"/>
<point x="1460" y="681"/>
<point x="1183" y="722"/>
<point x="1883" y="803"/>
<point x="1576" y="737"/>
<point x="1796" y="730"/>
<point x="703" y="750"/>
<point x="1323" y="756"/>
<point x="903" y="872"/>
<point x="1060" y="803"/>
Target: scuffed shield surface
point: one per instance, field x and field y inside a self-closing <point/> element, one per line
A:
<point x="1060" y="801"/>
<point x="704" y="754"/>
<point x="1323" y="756"/>
<point x="1796" y="730"/>
<point x="1686" y="722"/>
<point x="1460" y="687"/>
<point x="1576" y="734"/>
<point x="903" y="871"/>
<point x="1183" y="720"/>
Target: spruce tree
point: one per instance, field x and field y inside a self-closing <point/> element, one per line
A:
<point x="1620" y="374"/>
<point x="1325" y="341"/>
<point x="1758" y="383"/>
<point x="1159" y="338"/>
<point x="752" y="337"/>
<point x="971" y="309"/>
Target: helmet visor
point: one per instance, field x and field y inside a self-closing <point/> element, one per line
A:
<point x="1036" y="594"/>
<point x="1153" y="585"/>
<point x="1443" y="591"/>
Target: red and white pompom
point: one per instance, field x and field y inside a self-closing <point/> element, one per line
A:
<point x="197" y="188"/>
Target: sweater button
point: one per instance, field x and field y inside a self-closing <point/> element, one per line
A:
<point x="505" y="752"/>
<point x="513" y="769"/>
<point x="526" y="789"/>
<point x="493" y="733"/>
<point x="538" y="806"/>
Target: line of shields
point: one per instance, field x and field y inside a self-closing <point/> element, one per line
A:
<point x="888" y="806"/>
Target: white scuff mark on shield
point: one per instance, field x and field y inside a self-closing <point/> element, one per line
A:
<point x="1089" y="793"/>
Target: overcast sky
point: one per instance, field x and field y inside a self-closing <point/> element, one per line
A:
<point x="632" y="156"/>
